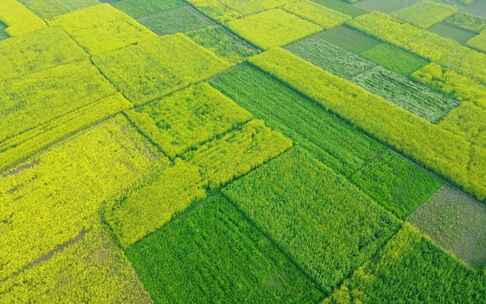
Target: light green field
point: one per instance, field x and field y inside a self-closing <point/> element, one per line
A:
<point x="242" y="151"/>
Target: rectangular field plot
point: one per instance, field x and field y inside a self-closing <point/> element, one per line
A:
<point x="272" y="28"/>
<point x="42" y="49"/>
<point x="349" y="39"/>
<point x="395" y="59"/>
<point x="212" y="254"/>
<point x="396" y="183"/>
<point x="224" y="43"/>
<point x="89" y="268"/>
<point x="450" y="31"/>
<point x="52" y="8"/>
<point x="102" y="28"/>
<point x="156" y="67"/>
<point x="237" y="152"/>
<point x="143" y="8"/>
<point x="251" y="7"/>
<point x="412" y="270"/>
<point x="216" y="9"/>
<point x="429" y="45"/>
<point x="457" y="222"/>
<point x="426" y="142"/>
<point x="467" y="22"/>
<point x="60" y="191"/>
<point x="187" y="118"/>
<point x="410" y="95"/>
<point x="154" y="202"/>
<point x="341" y="6"/>
<point x="319" y="14"/>
<point x="425" y="13"/>
<point x="324" y="222"/>
<point x="23" y="145"/>
<point x="181" y="19"/>
<point x="43" y="96"/>
<point x="384" y="6"/>
<point x="336" y="143"/>
<point x="317" y="50"/>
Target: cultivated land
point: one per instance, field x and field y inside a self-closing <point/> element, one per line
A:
<point x="242" y="151"/>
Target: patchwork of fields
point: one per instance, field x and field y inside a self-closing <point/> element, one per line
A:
<point x="242" y="151"/>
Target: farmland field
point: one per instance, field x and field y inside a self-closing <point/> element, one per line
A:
<point x="242" y="151"/>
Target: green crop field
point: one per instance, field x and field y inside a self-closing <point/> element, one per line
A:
<point x="242" y="151"/>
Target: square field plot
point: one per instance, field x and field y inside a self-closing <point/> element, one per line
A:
<point x="324" y="222"/>
<point x="45" y="48"/>
<point x="224" y="43"/>
<point x="237" y="152"/>
<point x="102" y="28"/>
<point x="43" y="96"/>
<point x="273" y="28"/>
<point x="350" y="39"/>
<point x="181" y="19"/>
<point x="158" y="66"/>
<point x="425" y="13"/>
<point x="213" y="254"/>
<point x="395" y="59"/>
<point x="188" y="117"/>
<point x="457" y="222"/>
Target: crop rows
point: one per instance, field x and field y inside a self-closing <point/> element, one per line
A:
<point x="91" y="266"/>
<point x="156" y="67"/>
<point x="228" y="151"/>
<point x="193" y="260"/>
<point x="319" y="51"/>
<point x="331" y="140"/>
<point x="290" y="199"/>
<point x="188" y="118"/>
<point x="416" y="98"/>
<point x="42" y="97"/>
<point x="437" y="148"/>
<point x="237" y="152"/>
<point x="60" y="191"/>
<point x="426" y="44"/>
<point x="223" y="43"/>
<point x="413" y="267"/>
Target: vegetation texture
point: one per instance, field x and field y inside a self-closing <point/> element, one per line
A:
<point x="242" y="151"/>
